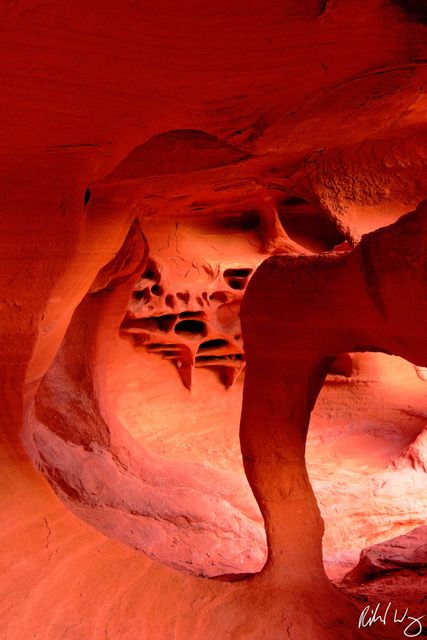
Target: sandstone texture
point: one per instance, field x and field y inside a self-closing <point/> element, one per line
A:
<point x="404" y="552"/>
<point x="213" y="286"/>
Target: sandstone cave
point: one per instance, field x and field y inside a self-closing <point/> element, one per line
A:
<point x="213" y="320"/>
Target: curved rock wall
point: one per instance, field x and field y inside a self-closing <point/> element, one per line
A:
<point x="113" y="113"/>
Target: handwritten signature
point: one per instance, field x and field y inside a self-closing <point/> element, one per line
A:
<point x="384" y="614"/>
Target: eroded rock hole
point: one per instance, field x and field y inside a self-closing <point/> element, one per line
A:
<point x="169" y="301"/>
<point x="361" y="428"/>
<point x="160" y="323"/>
<point x="165" y="323"/>
<point x="142" y="295"/>
<point x="157" y="290"/>
<point x="151" y="271"/>
<point x="185" y="297"/>
<point x="190" y="328"/>
<point x="205" y="321"/>
<point x="213" y="344"/>
<point x="237" y="278"/>
<point x="219" y="296"/>
<point x="308" y="225"/>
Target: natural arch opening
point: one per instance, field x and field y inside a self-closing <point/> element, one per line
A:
<point x="196" y="519"/>
<point x="358" y="454"/>
<point x="364" y="421"/>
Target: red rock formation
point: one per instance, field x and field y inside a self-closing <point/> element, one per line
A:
<point x="304" y="120"/>
<point x="182" y="515"/>
<point x="404" y="552"/>
<point x="360" y="289"/>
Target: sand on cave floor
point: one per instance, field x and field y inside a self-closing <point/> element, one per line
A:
<point x="359" y="427"/>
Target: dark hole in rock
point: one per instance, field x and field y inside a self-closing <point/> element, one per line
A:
<point x="151" y="271"/>
<point x="162" y="323"/>
<point x="191" y="328"/>
<point x="141" y="295"/>
<point x="160" y="346"/>
<point x="237" y="283"/>
<point x="169" y="300"/>
<point x="166" y="322"/>
<point x="293" y="201"/>
<point x="185" y="297"/>
<point x="237" y="273"/>
<point x="213" y="344"/>
<point x="86" y="197"/>
<point x="220" y="296"/>
<point x="156" y="290"/>
<point x="237" y="278"/>
<point x="308" y="225"/>
<point x="235" y="356"/>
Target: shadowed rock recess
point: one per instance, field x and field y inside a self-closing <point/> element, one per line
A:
<point x="213" y="343"/>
